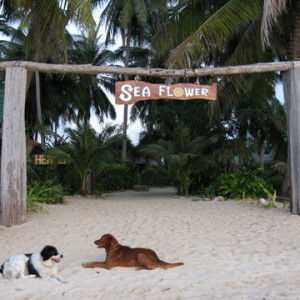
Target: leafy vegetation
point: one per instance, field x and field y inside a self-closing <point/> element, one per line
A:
<point x="184" y="157"/>
<point x="114" y="177"/>
<point x="47" y="193"/>
<point x="155" y="176"/>
<point x="84" y="150"/>
<point x="243" y="184"/>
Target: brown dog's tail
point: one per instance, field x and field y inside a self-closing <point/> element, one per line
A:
<point x="169" y="265"/>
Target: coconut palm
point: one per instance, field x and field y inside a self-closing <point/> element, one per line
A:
<point x="253" y="22"/>
<point x="184" y="156"/>
<point x="230" y="33"/>
<point x="260" y="121"/>
<point x="285" y="15"/>
<point x="84" y="149"/>
<point x="128" y="19"/>
<point x="91" y="90"/>
<point x="45" y="23"/>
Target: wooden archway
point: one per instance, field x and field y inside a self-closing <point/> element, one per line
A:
<point x="13" y="158"/>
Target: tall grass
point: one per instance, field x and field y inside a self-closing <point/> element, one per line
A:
<point x="47" y="193"/>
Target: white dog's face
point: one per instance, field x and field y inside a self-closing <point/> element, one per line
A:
<point x="50" y="256"/>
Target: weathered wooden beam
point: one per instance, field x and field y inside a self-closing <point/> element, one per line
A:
<point x="291" y="87"/>
<point x="13" y="156"/>
<point x="167" y="73"/>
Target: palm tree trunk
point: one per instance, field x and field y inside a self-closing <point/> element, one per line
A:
<point x="38" y="106"/>
<point x="262" y="156"/>
<point x="84" y="185"/>
<point x="126" y="43"/>
<point x="286" y="185"/>
<point x="294" y="50"/>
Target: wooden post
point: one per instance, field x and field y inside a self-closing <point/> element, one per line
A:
<point x="13" y="156"/>
<point x="124" y="138"/>
<point x="291" y="87"/>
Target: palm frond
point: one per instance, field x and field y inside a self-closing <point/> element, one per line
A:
<point x="217" y="29"/>
<point x="271" y="10"/>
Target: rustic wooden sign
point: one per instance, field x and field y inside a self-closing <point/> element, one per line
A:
<point x="128" y="92"/>
<point x="42" y="159"/>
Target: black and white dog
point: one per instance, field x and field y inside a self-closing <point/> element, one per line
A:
<point x="39" y="264"/>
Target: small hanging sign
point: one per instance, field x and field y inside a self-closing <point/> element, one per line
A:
<point x="128" y="92"/>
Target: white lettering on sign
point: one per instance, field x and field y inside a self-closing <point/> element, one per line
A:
<point x="132" y="91"/>
<point x="169" y="91"/>
<point x="161" y="90"/>
<point x="191" y="92"/>
<point x="128" y="92"/>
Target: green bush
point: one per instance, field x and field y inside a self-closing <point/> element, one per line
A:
<point x="243" y="184"/>
<point x="207" y="191"/>
<point x="62" y="174"/>
<point x="48" y="193"/>
<point x="40" y="173"/>
<point x="113" y="177"/>
<point x="155" y="176"/>
<point x="273" y="178"/>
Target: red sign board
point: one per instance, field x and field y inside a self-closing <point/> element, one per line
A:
<point x="128" y="92"/>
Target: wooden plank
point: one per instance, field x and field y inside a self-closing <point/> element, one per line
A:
<point x="164" y="73"/>
<point x="13" y="157"/>
<point x="291" y="89"/>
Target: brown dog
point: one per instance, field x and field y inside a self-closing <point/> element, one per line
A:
<point x="118" y="255"/>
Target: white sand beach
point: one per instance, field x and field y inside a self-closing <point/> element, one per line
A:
<point x="230" y="249"/>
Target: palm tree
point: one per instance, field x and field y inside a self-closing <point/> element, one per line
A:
<point x="184" y="156"/>
<point x="282" y="14"/>
<point x="262" y="123"/>
<point x="45" y="23"/>
<point x="91" y="89"/>
<point x="230" y="33"/>
<point x="128" y="18"/>
<point x="253" y="22"/>
<point x="84" y="149"/>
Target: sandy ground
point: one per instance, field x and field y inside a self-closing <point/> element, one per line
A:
<point x="230" y="250"/>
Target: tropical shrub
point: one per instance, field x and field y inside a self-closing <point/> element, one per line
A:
<point x="184" y="157"/>
<point x="84" y="150"/>
<point x="207" y="191"/>
<point x="113" y="177"/>
<point x="155" y="176"/>
<point x="242" y="184"/>
<point x="48" y="193"/>
<point x="62" y="174"/>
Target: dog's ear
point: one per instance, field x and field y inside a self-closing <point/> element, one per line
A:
<point x="113" y="240"/>
<point x="48" y="251"/>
